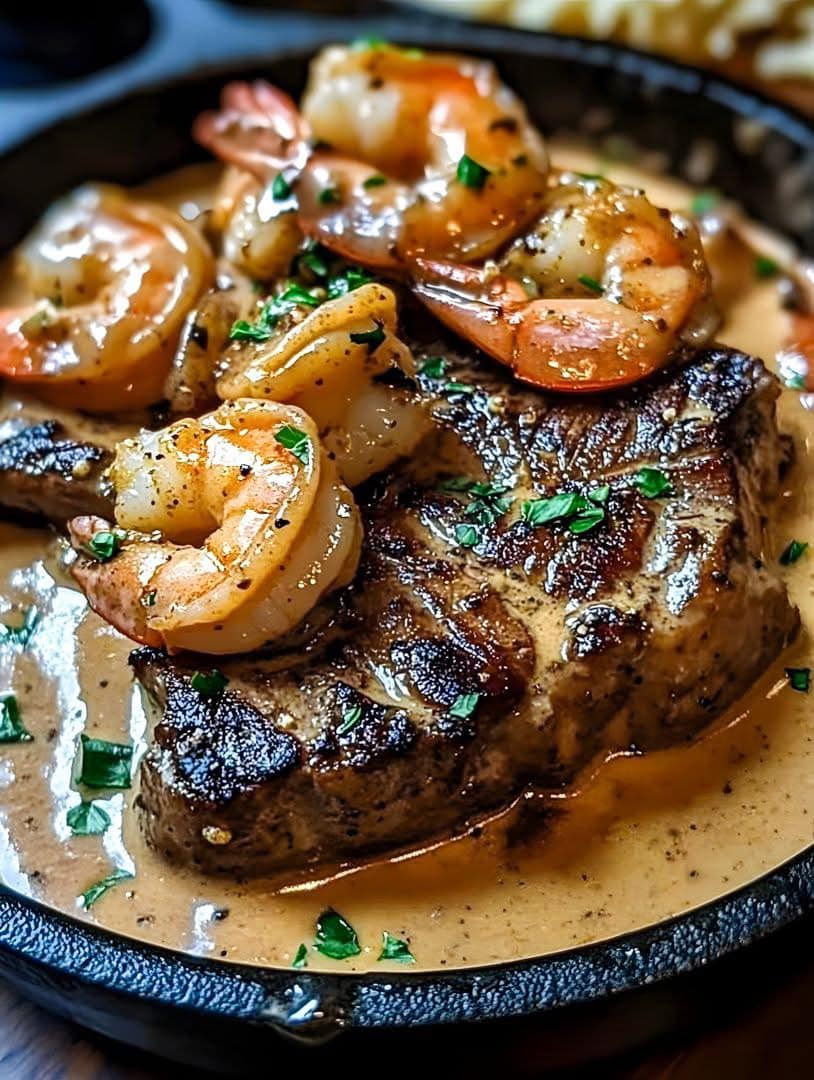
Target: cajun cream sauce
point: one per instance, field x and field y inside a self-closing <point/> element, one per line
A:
<point x="641" y="839"/>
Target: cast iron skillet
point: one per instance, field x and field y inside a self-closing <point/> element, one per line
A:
<point x="516" y="1016"/>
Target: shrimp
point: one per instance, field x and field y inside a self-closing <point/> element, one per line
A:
<point x="604" y="291"/>
<point x="327" y="364"/>
<point x="237" y="525"/>
<point x="463" y="168"/>
<point x="119" y="277"/>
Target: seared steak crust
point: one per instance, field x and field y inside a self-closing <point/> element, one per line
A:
<point x="450" y="677"/>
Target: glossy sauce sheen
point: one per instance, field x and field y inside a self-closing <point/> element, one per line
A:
<point x="640" y="839"/>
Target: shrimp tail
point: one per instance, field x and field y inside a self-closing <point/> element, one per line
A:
<point x="258" y="128"/>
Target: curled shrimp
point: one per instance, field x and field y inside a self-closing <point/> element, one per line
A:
<point x="604" y="291"/>
<point x="118" y="276"/>
<point x="462" y="167"/>
<point x="328" y="364"/>
<point x="238" y="526"/>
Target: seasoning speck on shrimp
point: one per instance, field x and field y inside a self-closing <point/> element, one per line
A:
<point x="602" y="292"/>
<point x="236" y="525"/>
<point x="117" y="277"/>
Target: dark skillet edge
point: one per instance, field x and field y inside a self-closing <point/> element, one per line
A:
<point x="103" y="980"/>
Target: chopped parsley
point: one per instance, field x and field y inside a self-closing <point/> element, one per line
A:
<point x="88" y="819"/>
<point x="104" y="545"/>
<point x="586" y="520"/>
<point x="652" y="483"/>
<point x="105" y="764"/>
<point x="280" y="188"/>
<point x="21" y="635"/>
<point x="472" y="174"/>
<point x="354" y="277"/>
<point x="372" y="338"/>
<point x="376" y="180"/>
<point x="296" y="441"/>
<point x="464" y="705"/>
<point x="433" y="367"/>
<point x="541" y="511"/>
<point x="453" y="387"/>
<point x="591" y="176"/>
<point x="335" y="937"/>
<point x="272" y="311"/>
<point x="301" y="959"/>
<point x="591" y="283"/>
<point x="329" y="196"/>
<point x="394" y="948"/>
<point x="209" y="684"/>
<point x="765" y="267"/>
<point x="600" y="495"/>
<point x="12" y="728"/>
<point x="799" y="678"/>
<point x="371" y="42"/>
<point x="350" y="718"/>
<point x="703" y="202"/>
<point x="488" y="504"/>
<point x="792" y="552"/>
<point x="466" y="535"/>
<point x="95" y="892"/>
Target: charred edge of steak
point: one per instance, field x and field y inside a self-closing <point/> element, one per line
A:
<point x="47" y="473"/>
<point x="637" y="636"/>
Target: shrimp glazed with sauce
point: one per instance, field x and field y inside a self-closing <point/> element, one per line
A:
<point x="406" y="553"/>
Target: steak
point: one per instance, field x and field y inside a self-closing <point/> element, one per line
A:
<point x="477" y="655"/>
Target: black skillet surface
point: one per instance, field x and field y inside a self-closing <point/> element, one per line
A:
<point x="516" y="1017"/>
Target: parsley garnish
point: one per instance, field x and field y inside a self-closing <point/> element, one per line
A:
<point x="273" y="310"/>
<point x="600" y="495"/>
<point x="301" y="959"/>
<point x="799" y="678"/>
<point x="489" y="503"/>
<point x="105" y="764"/>
<point x="703" y="202"/>
<point x="328" y="196"/>
<point x="369" y="43"/>
<point x="466" y="535"/>
<point x="472" y="174"/>
<point x="394" y="948"/>
<point x="540" y="511"/>
<point x="453" y="387"/>
<point x="91" y="895"/>
<point x="280" y="188"/>
<point x="433" y="367"/>
<point x="296" y="441"/>
<point x="88" y="819"/>
<point x="792" y="552"/>
<point x="372" y="338"/>
<point x="652" y="483"/>
<point x="591" y="283"/>
<point x="376" y="180"/>
<point x="590" y="176"/>
<point x="354" y="277"/>
<point x="765" y="267"/>
<point x="586" y="520"/>
<point x="21" y="635"/>
<point x="12" y="728"/>
<point x="335" y="937"/>
<point x="209" y="684"/>
<point x="104" y="545"/>
<point x="350" y="718"/>
<point x="464" y="705"/>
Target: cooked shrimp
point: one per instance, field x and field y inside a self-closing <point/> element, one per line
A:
<point x="327" y="364"/>
<point x="239" y="525"/>
<point x="119" y="277"/>
<point x="603" y="292"/>
<point x="464" y="169"/>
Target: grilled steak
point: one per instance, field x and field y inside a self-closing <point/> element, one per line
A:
<point x="465" y="664"/>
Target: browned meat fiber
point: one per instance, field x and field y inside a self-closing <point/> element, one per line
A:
<point x="454" y="674"/>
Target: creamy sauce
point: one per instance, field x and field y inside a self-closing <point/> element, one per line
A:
<point x="639" y="840"/>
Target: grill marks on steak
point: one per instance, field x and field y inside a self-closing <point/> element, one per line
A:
<point x="636" y="634"/>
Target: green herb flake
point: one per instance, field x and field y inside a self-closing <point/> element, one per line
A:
<point x="246" y="331"/>
<point x="329" y="196"/>
<point x="301" y="959"/>
<point x="350" y="718"/>
<point x="374" y="181"/>
<point x="590" y="176"/>
<point x="600" y="495"/>
<point x="148" y="600"/>
<point x="794" y="381"/>
<point x="273" y="310"/>
<point x="280" y="188"/>
<point x="464" y="705"/>
<point x="95" y="892"/>
<point x="457" y="483"/>
<point x="314" y="261"/>
<point x="652" y="483"/>
<point x="296" y="441"/>
<point x="370" y="42"/>
<point x="105" y="764"/>
<point x="765" y="267"/>
<point x="335" y="937"/>
<point x="209" y="683"/>
<point x="586" y="520"/>
<point x="792" y="552"/>
<point x="541" y="511"/>
<point x="489" y="503"/>
<point x="348" y="280"/>
<point x="704" y="202"/>
<point x="372" y="338"/>
<point x="103" y="546"/>
<point x="12" y="728"/>
<point x="21" y="635"/>
<point x="591" y="283"/>
<point x="466" y="535"/>
<point x="472" y="174"/>
<point x="433" y="367"/>
<point x="451" y="386"/>
<point x="88" y="819"/>
<point x="799" y="678"/>
<point x="394" y="948"/>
